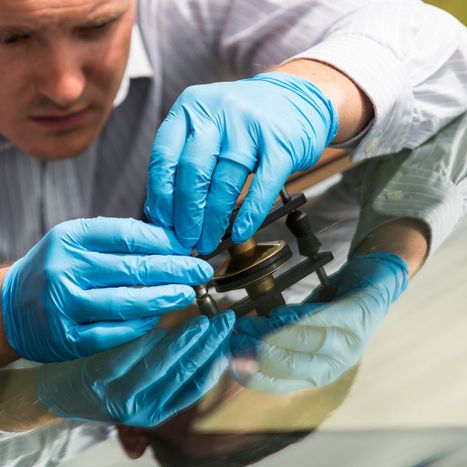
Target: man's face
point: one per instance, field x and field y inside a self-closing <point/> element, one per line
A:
<point x="62" y="63"/>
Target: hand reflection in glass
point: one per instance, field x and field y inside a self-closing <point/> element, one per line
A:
<point x="312" y="344"/>
<point x="231" y="424"/>
<point x="142" y="383"/>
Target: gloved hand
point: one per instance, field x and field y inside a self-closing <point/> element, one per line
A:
<point x="73" y="294"/>
<point x="144" y="382"/>
<point x="215" y="135"/>
<point x="312" y="344"/>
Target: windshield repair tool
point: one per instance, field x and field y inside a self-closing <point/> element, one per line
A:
<point x="253" y="266"/>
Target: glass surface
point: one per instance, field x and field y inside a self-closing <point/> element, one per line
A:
<point x="349" y="382"/>
<point x="403" y="404"/>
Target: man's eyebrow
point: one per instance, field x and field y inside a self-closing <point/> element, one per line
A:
<point x="100" y="19"/>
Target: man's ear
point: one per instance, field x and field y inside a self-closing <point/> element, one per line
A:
<point x="133" y="440"/>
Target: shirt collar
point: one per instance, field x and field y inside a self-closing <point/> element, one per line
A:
<point x="138" y="65"/>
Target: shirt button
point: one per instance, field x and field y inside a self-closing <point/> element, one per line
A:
<point x="396" y="195"/>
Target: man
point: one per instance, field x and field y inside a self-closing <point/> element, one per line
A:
<point x="355" y="81"/>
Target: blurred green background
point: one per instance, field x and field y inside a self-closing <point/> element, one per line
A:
<point x="456" y="7"/>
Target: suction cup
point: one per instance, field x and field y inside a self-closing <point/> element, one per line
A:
<point x="249" y="262"/>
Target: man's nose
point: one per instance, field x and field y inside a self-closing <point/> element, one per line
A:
<point x="61" y="80"/>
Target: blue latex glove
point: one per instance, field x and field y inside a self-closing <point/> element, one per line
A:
<point x="144" y="382"/>
<point x="311" y="345"/>
<point x="73" y="294"/>
<point x="215" y="135"/>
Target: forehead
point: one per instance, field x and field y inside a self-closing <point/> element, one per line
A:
<point x="35" y="13"/>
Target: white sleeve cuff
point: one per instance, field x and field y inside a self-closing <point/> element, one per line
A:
<point x="381" y="76"/>
<point x="430" y="198"/>
<point x="428" y="184"/>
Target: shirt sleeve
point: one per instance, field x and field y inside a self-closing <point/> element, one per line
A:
<point x="428" y="184"/>
<point x="409" y="58"/>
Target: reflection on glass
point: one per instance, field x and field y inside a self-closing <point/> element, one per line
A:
<point x="83" y="294"/>
<point x="237" y="426"/>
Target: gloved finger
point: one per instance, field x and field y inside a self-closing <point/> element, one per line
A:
<point x="227" y="182"/>
<point x="212" y="344"/>
<point x="340" y="329"/>
<point x="270" y="177"/>
<point x="244" y="347"/>
<point x="237" y="160"/>
<point x="344" y="313"/>
<point x="295" y="338"/>
<point x="277" y="319"/>
<point x="271" y="359"/>
<point x="256" y="326"/>
<point x="248" y="363"/>
<point x="294" y="313"/>
<point x="276" y="362"/>
<point x="89" y="339"/>
<point x="194" y="172"/>
<point x="124" y="303"/>
<point x="117" y="362"/>
<point x="202" y="382"/>
<point x="260" y="327"/>
<point x="165" y="154"/>
<point x="164" y="355"/>
<point x="342" y="348"/>
<point x="108" y="270"/>
<point x="288" y="336"/>
<point x="112" y="235"/>
<point x="285" y="364"/>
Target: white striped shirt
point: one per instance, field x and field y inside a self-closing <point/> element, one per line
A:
<point x="410" y="59"/>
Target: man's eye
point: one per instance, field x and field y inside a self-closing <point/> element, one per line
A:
<point x="13" y="39"/>
<point x="96" y="28"/>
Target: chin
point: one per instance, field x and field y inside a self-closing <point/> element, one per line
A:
<point x="64" y="146"/>
<point x="52" y="154"/>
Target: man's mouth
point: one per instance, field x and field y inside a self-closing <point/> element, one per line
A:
<point x="60" y="121"/>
